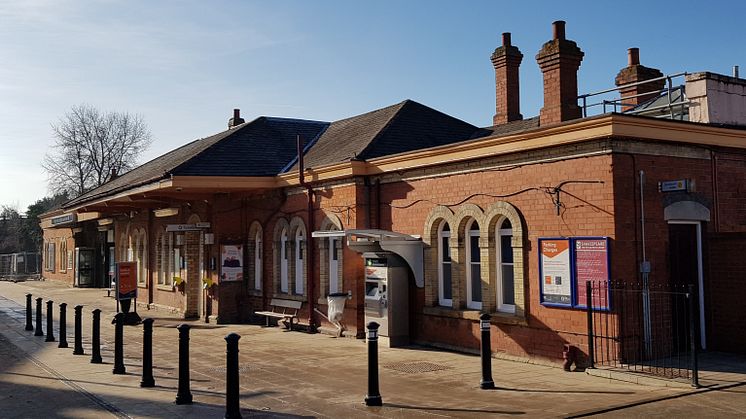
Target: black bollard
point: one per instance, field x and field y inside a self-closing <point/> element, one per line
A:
<point x="63" y="326"/>
<point x="50" y="322"/>
<point x="184" y="395"/>
<point x="484" y="326"/>
<point x="374" y="395"/>
<point x="147" y="354"/>
<point x="96" y="338"/>
<point x="119" y="344"/>
<point x="39" y="331"/>
<point x="29" y="313"/>
<point x="232" y="405"/>
<point x="78" y="350"/>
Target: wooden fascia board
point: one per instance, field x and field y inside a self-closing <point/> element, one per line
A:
<point x="491" y="146"/>
<point x="162" y="184"/>
<point x="223" y="182"/>
<point x="669" y="131"/>
<point x="330" y="172"/>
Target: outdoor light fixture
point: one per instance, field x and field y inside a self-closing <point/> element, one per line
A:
<point x="166" y="212"/>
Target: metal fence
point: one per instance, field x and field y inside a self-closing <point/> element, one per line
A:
<point x="644" y="329"/>
<point x="19" y="265"/>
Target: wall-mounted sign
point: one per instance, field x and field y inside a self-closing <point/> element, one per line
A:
<point x="231" y="265"/>
<point x="591" y="261"/>
<point x="555" y="272"/>
<point x="676" y="185"/>
<point x="187" y="227"/>
<point x="126" y="280"/>
<point x="63" y="219"/>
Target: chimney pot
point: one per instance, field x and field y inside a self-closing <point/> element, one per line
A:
<point x="506" y="39"/>
<point x="559" y="60"/>
<point x="236" y="113"/>
<point x="236" y="120"/>
<point x="558" y="29"/>
<point x="633" y="73"/>
<point x="633" y="56"/>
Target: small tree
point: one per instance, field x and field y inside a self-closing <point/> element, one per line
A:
<point x="90" y="145"/>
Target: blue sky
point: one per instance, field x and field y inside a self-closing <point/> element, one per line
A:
<point x="185" y="65"/>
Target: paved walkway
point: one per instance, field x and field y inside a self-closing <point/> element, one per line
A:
<point x="283" y="374"/>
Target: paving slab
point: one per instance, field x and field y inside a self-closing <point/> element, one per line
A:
<point x="283" y="374"/>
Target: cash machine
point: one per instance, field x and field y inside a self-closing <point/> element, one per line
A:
<point x="387" y="295"/>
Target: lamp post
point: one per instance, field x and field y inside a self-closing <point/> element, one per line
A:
<point x="484" y="326"/>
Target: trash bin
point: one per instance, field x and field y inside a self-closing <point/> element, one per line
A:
<point x="336" y="306"/>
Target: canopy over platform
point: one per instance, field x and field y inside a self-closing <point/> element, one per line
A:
<point x="407" y="247"/>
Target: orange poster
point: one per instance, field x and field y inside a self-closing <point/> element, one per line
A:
<point x="126" y="280"/>
<point x="554" y="265"/>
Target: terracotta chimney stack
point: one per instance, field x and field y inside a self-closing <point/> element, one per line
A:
<point x="559" y="60"/>
<point x="506" y="59"/>
<point x="633" y="73"/>
<point x="236" y="120"/>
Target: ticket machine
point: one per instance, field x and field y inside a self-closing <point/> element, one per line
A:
<point x="387" y="295"/>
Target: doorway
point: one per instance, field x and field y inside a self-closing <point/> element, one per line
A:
<point x="685" y="262"/>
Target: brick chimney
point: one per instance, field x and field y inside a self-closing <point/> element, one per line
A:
<point x="506" y="59"/>
<point x="559" y="60"/>
<point x="633" y="73"/>
<point x="236" y="120"/>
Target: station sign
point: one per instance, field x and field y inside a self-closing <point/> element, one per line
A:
<point x="187" y="227"/>
<point x="63" y="219"/>
<point x="675" y="185"/>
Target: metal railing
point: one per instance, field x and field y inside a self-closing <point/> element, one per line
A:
<point x="17" y="265"/>
<point x="672" y="106"/>
<point x="617" y="335"/>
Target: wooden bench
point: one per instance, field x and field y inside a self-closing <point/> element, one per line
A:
<point x="282" y="309"/>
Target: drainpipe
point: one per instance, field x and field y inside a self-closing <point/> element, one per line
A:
<point x="310" y="265"/>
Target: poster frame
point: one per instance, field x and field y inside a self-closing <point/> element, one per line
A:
<point x="132" y="294"/>
<point x="241" y="252"/>
<point x="541" y="272"/>
<point x="581" y="305"/>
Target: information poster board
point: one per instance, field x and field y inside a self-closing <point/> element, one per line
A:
<point x="126" y="280"/>
<point x="231" y="266"/>
<point x="591" y="258"/>
<point x="555" y="272"/>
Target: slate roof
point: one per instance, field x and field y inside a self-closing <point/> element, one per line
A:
<point x="266" y="146"/>
<point x="403" y="127"/>
<point x="261" y="147"/>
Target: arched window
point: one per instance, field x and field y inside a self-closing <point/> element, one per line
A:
<point x="473" y="268"/>
<point x="299" y="250"/>
<point x="505" y="281"/>
<point x="445" y="284"/>
<point x="141" y="255"/>
<point x="284" y="260"/>
<point x="258" y="260"/>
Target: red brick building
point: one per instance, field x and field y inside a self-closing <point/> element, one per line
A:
<point x="223" y="225"/>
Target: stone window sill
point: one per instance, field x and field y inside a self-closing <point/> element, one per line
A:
<point x="497" y="318"/>
<point x="256" y="293"/>
<point x="163" y="287"/>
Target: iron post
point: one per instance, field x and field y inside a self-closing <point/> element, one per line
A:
<point x="484" y="326"/>
<point x="78" y="350"/>
<point x="50" y="322"/>
<point x="119" y="344"/>
<point x="184" y="395"/>
<point x="693" y="337"/>
<point x="589" y="311"/>
<point x="63" y="326"/>
<point x="374" y="394"/>
<point x="232" y="404"/>
<point x="29" y="313"/>
<point x="39" y="331"/>
<point x="96" y="338"/>
<point x="147" y="354"/>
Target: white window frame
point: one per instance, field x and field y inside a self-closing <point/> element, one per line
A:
<point x="333" y="266"/>
<point x="502" y="232"/>
<point x="470" y="235"/>
<point x="442" y="301"/>
<point x="284" y="260"/>
<point x="299" y="283"/>
<point x="258" y="260"/>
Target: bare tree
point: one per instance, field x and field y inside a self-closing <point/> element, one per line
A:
<point x="90" y="145"/>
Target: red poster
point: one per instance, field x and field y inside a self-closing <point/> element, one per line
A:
<point x="126" y="280"/>
<point x="592" y="264"/>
